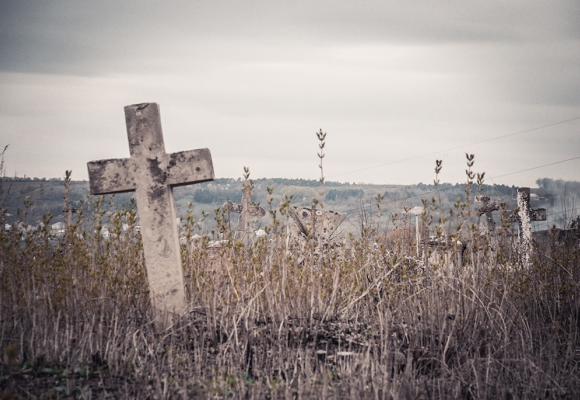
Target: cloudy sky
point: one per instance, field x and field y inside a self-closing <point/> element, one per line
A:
<point x="394" y="84"/>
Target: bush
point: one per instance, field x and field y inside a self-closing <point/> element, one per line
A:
<point x="372" y="320"/>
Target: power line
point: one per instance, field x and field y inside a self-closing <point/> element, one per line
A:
<point x="541" y="166"/>
<point x="452" y="187"/>
<point x="457" y="147"/>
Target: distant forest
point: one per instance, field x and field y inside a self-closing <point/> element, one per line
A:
<point x="561" y="198"/>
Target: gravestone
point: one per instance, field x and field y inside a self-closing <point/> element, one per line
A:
<point x="320" y="226"/>
<point x="487" y="229"/>
<point x="152" y="173"/>
<point x="524" y="217"/>
<point x="246" y="210"/>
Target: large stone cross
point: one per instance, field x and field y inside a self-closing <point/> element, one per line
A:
<point x="525" y="216"/>
<point x="246" y="209"/>
<point x="152" y="173"/>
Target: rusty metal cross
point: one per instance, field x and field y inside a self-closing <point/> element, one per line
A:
<point x="152" y="173"/>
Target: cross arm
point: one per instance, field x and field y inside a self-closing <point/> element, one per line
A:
<point x="257" y="211"/>
<point x="538" y="214"/>
<point x="111" y="176"/>
<point x="231" y="207"/>
<point x="487" y="208"/>
<point x="186" y="167"/>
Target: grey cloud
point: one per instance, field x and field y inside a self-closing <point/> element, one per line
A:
<point x="254" y="80"/>
<point x="97" y="37"/>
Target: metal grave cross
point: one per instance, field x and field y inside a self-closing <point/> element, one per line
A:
<point x="525" y="216"/>
<point x="245" y="209"/>
<point x="152" y="173"/>
<point x="487" y="208"/>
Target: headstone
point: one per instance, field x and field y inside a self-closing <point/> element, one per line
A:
<point x="320" y="226"/>
<point x="246" y="210"/>
<point x="525" y="216"/>
<point x="152" y="173"/>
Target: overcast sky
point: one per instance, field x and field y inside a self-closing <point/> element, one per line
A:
<point x="254" y="80"/>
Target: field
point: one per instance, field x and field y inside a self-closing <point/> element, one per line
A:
<point x="370" y="319"/>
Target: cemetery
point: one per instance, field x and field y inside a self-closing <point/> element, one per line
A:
<point x="286" y="297"/>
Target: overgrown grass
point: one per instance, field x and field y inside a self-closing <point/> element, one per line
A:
<point x="373" y="321"/>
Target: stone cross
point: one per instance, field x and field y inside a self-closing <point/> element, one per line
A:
<point x="152" y="173"/>
<point x="246" y="209"/>
<point x="67" y="211"/>
<point x="525" y="216"/>
<point x="486" y="209"/>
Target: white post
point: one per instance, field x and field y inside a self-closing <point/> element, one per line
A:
<point x="417" y="233"/>
<point x="416" y="211"/>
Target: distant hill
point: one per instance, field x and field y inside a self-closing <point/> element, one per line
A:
<point x="561" y="198"/>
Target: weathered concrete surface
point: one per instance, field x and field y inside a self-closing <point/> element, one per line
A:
<point x="525" y="216"/>
<point x="152" y="173"/>
<point x="320" y="228"/>
<point x="246" y="210"/>
<point x="323" y="225"/>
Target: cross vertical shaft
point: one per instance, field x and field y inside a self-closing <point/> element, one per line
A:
<point x="525" y="216"/>
<point x="486" y="209"/>
<point x="246" y="210"/>
<point x="156" y="207"/>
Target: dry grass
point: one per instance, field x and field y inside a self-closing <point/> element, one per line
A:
<point x="373" y="323"/>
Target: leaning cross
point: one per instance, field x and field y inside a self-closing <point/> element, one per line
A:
<point x="152" y="173"/>
<point x="245" y="209"/>
<point x="487" y="208"/>
<point x="524" y="218"/>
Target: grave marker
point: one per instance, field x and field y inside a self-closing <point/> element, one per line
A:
<point x="67" y="212"/>
<point x="525" y="216"/>
<point x="246" y="209"/>
<point x="486" y="209"/>
<point x="152" y="173"/>
<point x="321" y="227"/>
